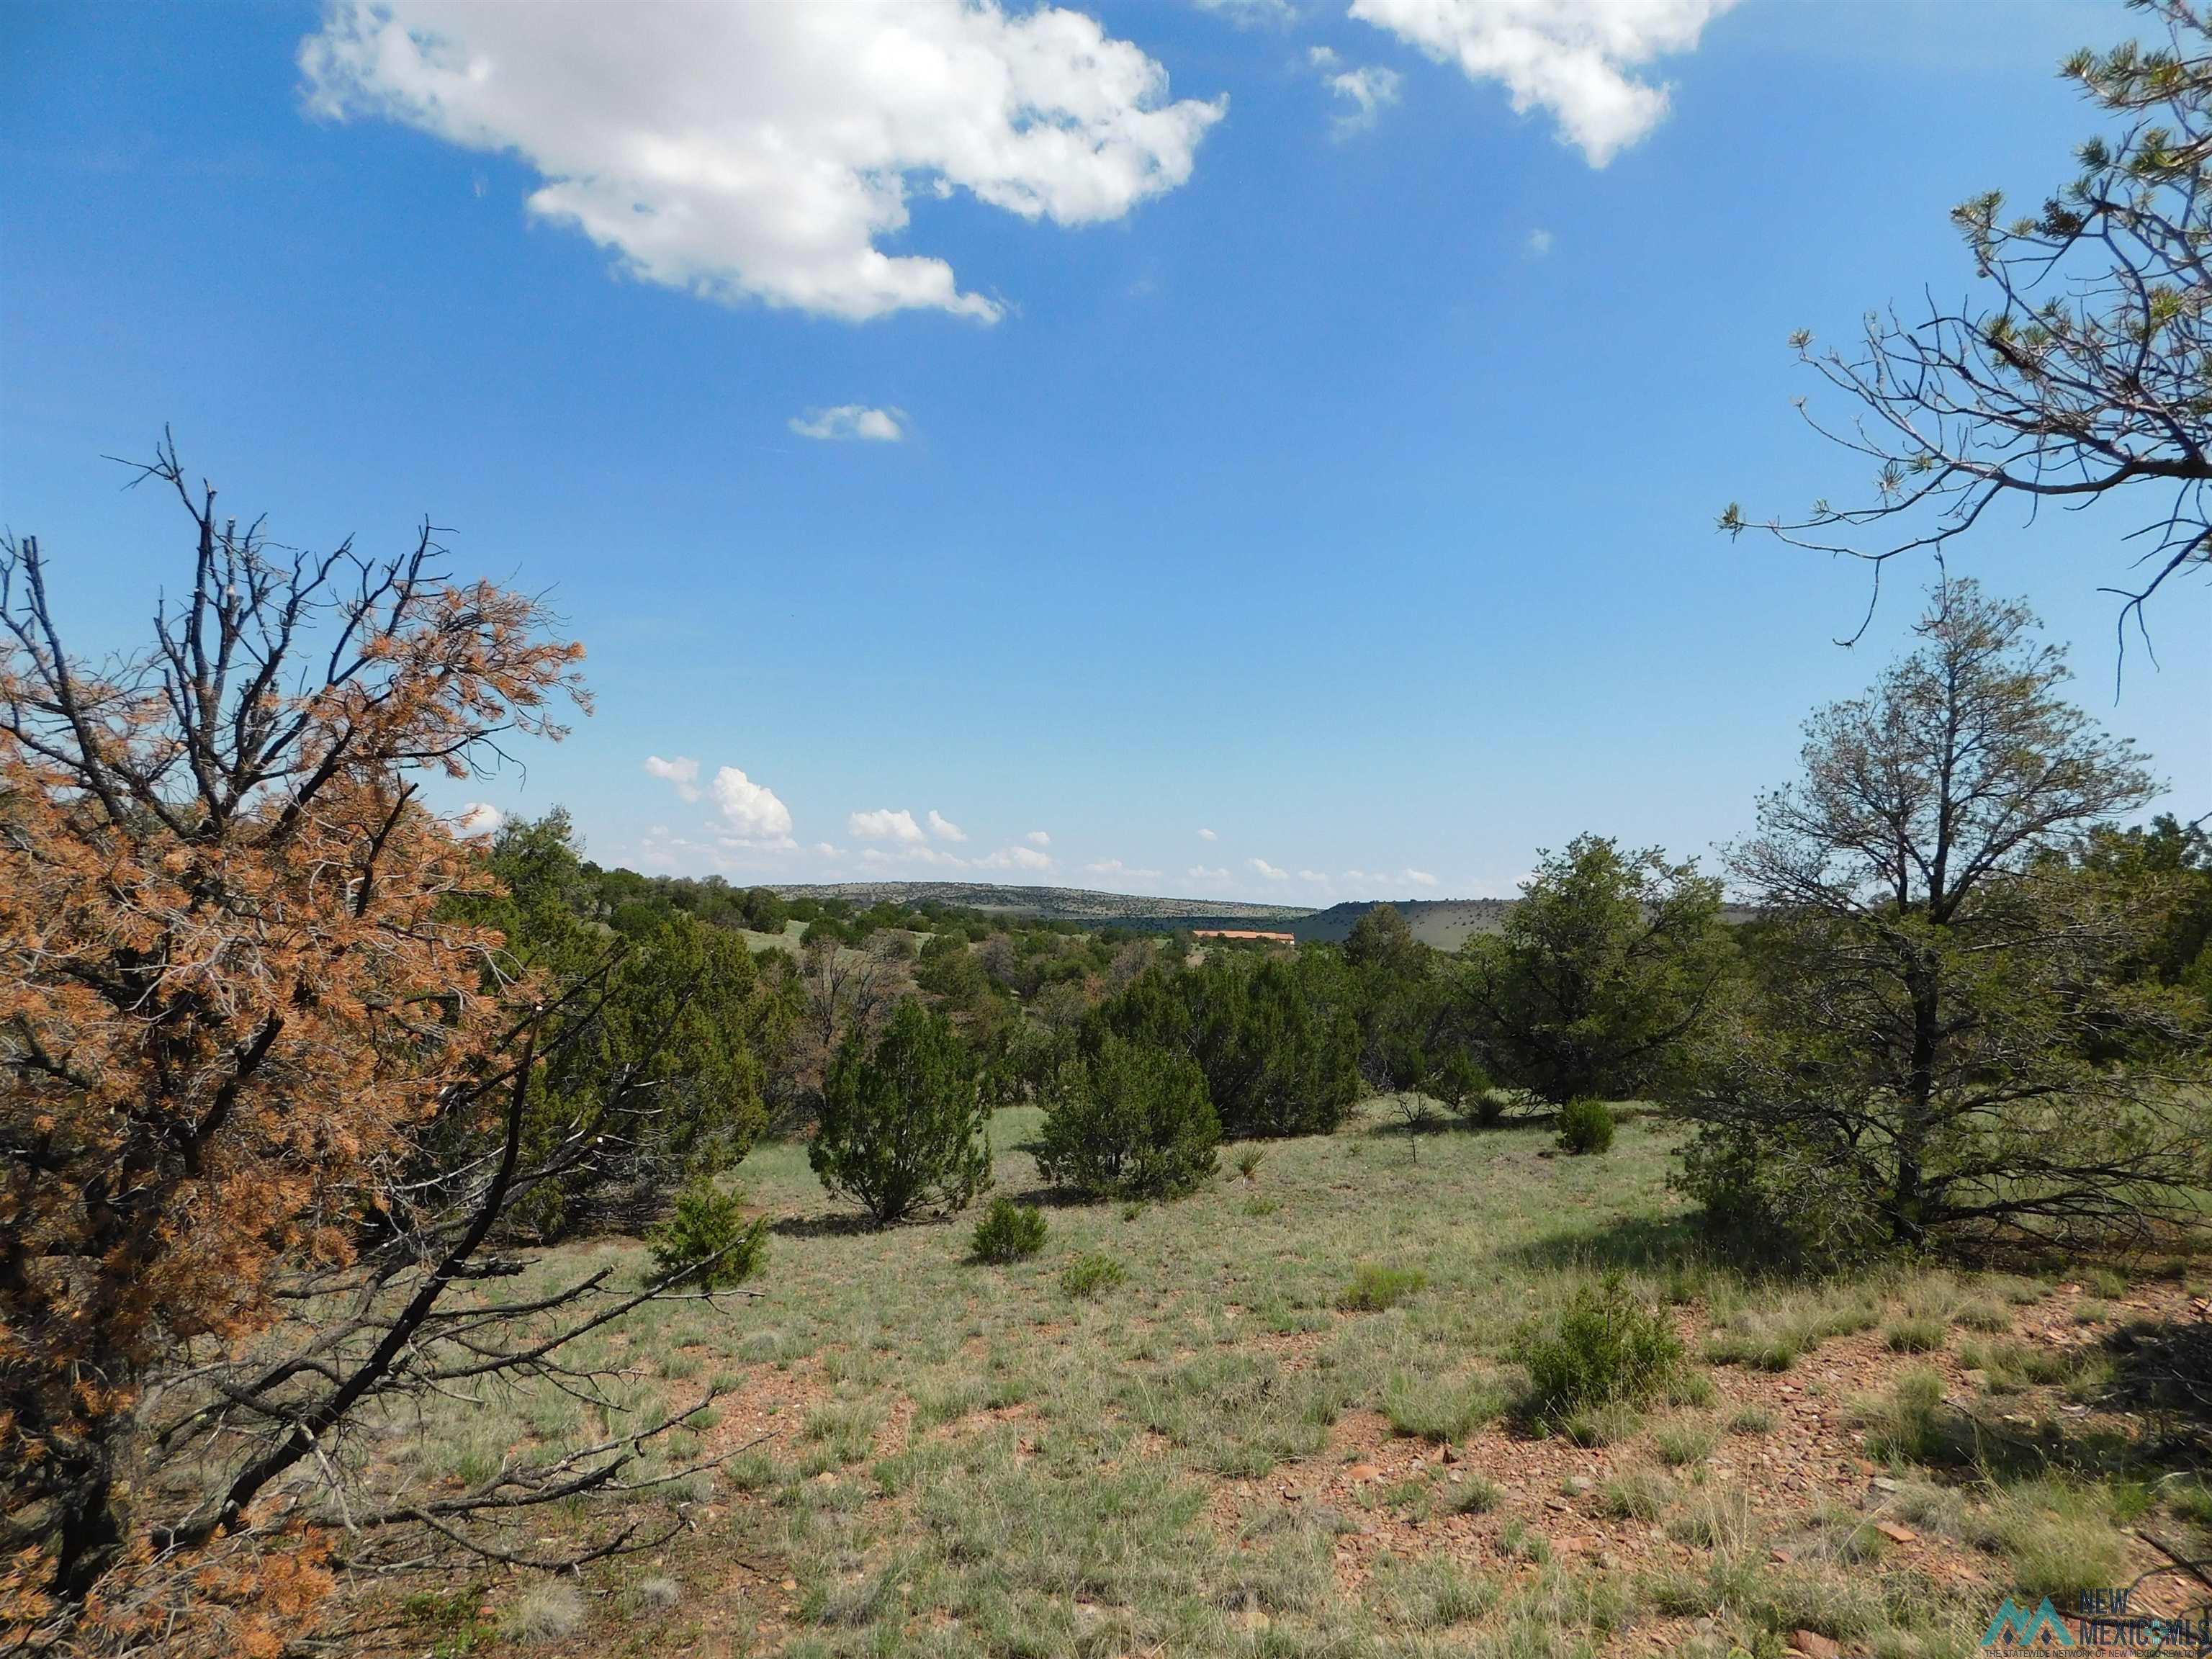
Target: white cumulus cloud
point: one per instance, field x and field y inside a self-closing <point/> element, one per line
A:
<point x="478" y="818"/>
<point x="1199" y="872"/>
<point x="1420" y="878"/>
<point x="944" y="828"/>
<point x="1261" y="866"/>
<point x="1366" y="90"/>
<point x="1242" y="12"/>
<point x="1575" y="58"/>
<point x="1016" y="858"/>
<point x="1538" y="243"/>
<point x="1207" y="835"/>
<point x="683" y="772"/>
<point x="1038" y="838"/>
<point x="882" y="426"/>
<point x="754" y="815"/>
<point x="885" y="824"/>
<point x="765" y="151"/>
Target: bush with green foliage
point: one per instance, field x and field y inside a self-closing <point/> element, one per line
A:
<point x="1129" y="1121"/>
<point x="1276" y="1035"/>
<point x="1586" y="1126"/>
<point x="902" y="1123"/>
<point x="708" y="1235"/>
<point x="1009" y="1231"/>
<point x="1375" y="1288"/>
<point x="1605" y="1347"/>
<point x="1404" y="1038"/>
<point x="949" y="970"/>
<point x="1089" y="1277"/>
<point x="1458" y="1080"/>
<point x="1603" y="976"/>
<point x="662" y="1085"/>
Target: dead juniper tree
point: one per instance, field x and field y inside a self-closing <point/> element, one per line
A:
<point x="2080" y="369"/>
<point x="1943" y="1047"/>
<point x="241" y="1040"/>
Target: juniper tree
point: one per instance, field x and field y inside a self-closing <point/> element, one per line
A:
<point x="239" y="1020"/>
<point x="1601" y="976"/>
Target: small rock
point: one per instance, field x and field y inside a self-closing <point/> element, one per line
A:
<point x="1365" y="1472"/>
<point x="1814" y="1645"/>
<point x="1883" y="1482"/>
<point x="1895" y="1533"/>
<point x="1782" y="1555"/>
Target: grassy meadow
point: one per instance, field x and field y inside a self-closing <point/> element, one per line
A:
<point x="1281" y="1417"/>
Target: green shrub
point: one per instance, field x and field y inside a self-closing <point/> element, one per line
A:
<point x="1089" y="1277"/>
<point x="1009" y="1231"/>
<point x="1277" y="1035"/>
<point x="1131" y="1121"/>
<point x="1585" y="1126"/>
<point x="1373" y="1288"/>
<point x="1459" y="1082"/>
<point x="903" y="1124"/>
<point x="1606" y="1347"/>
<point x="708" y="1236"/>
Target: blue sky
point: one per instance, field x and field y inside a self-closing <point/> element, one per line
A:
<point x="1334" y="477"/>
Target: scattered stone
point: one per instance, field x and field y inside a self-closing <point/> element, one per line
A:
<point x="1814" y="1645"/>
<point x="1895" y="1533"/>
<point x="1365" y="1472"/>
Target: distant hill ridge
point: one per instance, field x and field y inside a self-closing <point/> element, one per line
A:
<point x="1046" y="903"/>
<point x="1443" y="923"/>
